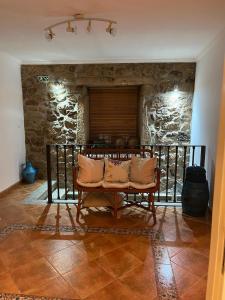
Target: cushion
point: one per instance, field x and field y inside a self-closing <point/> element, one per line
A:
<point x="140" y="186"/>
<point x="116" y="171"/>
<point x="122" y="185"/>
<point x="90" y="184"/>
<point x="143" y="170"/>
<point x="90" y="170"/>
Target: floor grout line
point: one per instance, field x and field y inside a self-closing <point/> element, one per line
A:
<point x="154" y="236"/>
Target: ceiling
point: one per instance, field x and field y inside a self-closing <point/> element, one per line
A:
<point x="159" y="30"/>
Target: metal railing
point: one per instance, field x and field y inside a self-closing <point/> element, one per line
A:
<point x="172" y="161"/>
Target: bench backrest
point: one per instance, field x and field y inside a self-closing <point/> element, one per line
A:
<point x="116" y="153"/>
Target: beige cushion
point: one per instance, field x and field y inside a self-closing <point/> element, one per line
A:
<point x="143" y="170"/>
<point x="90" y="170"/>
<point x="90" y="184"/>
<point x="121" y="185"/>
<point x="140" y="186"/>
<point x="116" y="171"/>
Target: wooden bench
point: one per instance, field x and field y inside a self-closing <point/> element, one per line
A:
<point x="146" y="194"/>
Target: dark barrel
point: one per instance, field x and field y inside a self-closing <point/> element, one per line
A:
<point x="195" y="192"/>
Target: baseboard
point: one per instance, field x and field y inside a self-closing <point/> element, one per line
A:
<point x="6" y="191"/>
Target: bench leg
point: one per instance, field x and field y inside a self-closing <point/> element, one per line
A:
<point x="151" y="206"/>
<point x="79" y="204"/>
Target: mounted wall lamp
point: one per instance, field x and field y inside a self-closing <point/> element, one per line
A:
<point x="50" y="35"/>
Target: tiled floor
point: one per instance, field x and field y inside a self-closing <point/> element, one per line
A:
<point x="97" y="265"/>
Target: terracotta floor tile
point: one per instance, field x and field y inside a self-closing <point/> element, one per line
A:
<point x="192" y="260"/>
<point x="179" y="235"/>
<point x="56" y="287"/>
<point x="118" y="262"/>
<point x="7" y="284"/>
<point x="50" y="246"/>
<point x="120" y="240"/>
<point x="66" y="259"/>
<point x="97" y="245"/>
<point x="141" y="248"/>
<point x="203" y="244"/>
<point x="173" y="250"/>
<point x="141" y="282"/>
<point x="196" y="292"/>
<point x="14" y="240"/>
<point x="114" y="291"/>
<point x="14" y="258"/>
<point x="87" y="279"/>
<point x="74" y="254"/>
<point x="2" y="267"/>
<point x="184" y="279"/>
<point x="37" y="272"/>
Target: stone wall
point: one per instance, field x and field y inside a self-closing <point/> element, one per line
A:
<point x="56" y="109"/>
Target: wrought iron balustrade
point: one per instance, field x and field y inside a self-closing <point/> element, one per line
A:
<point x="172" y="160"/>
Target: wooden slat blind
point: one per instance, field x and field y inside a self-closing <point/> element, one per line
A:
<point x="113" y="112"/>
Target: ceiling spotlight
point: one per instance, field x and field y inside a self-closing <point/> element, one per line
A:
<point x="108" y="28"/>
<point x="111" y="30"/>
<point x="89" y="28"/>
<point x="50" y="35"/>
<point x="69" y="28"/>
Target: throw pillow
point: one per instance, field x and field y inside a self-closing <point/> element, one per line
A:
<point x="90" y="170"/>
<point x="143" y="169"/>
<point x="116" y="171"/>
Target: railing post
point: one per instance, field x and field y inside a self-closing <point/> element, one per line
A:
<point x="65" y="170"/>
<point x="49" y="172"/>
<point x="202" y="159"/>
<point x="167" y="171"/>
<point x="175" y="176"/>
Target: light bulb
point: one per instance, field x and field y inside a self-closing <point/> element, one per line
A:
<point x="69" y="28"/>
<point x="108" y="28"/>
<point x="49" y="35"/>
<point x="111" y="30"/>
<point x="89" y="28"/>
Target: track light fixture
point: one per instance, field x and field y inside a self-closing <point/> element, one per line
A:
<point x="79" y="17"/>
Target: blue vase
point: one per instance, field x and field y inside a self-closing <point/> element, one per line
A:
<point x="29" y="173"/>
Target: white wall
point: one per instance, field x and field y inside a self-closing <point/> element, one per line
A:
<point x="12" y="143"/>
<point x="206" y="102"/>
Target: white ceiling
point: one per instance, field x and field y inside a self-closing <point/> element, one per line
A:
<point x="159" y="30"/>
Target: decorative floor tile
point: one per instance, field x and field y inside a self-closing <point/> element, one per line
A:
<point x="9" y="296"/>
<point x="109" y="265"/>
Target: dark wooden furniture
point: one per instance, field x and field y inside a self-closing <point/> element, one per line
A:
<point x="147" y="194"/>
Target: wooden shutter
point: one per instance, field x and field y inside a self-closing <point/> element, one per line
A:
<point x="113" y="112"/>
